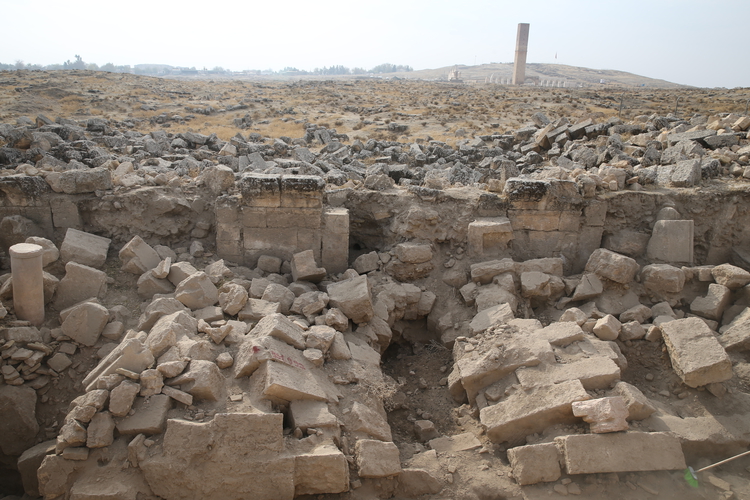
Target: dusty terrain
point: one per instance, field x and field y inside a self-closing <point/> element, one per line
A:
<point x="418" y="359"/>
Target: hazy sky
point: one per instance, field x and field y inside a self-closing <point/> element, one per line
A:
<point x="702" y="43"/>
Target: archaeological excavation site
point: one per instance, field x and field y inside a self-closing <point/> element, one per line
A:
<point x="365" y="289"/>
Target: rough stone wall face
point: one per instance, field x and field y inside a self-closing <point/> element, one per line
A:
<point x="281" y="215"/>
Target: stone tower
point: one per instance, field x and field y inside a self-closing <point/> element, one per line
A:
<point x="522" y="44"/>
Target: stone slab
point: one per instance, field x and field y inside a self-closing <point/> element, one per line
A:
<point x="697" y="356"/>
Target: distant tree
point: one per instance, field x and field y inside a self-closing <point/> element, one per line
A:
<point x="20" y="64"/>
<point x="359" y="71"/>
<point x="109" y="67"/>
<point x="390" y="68"/>
<point x="92" y="67"/>
<point x="77" y="64"/>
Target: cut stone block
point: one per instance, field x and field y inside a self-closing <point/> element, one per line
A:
<point x="366" y="263"/>
<point x="496" y="315"/>
<point x="611" y="265"/>
<point x="483" y="272"/>
<point x="306" y="413"/>
<point x="85" y="322"/>
<point x="149" y="417"/>
<point x="730" y="276"/>
<point x="663" y="278"/>
<point x="137" y="256"/>
<point x="671" y="241"/>
<point x="180" y="271"/>
<point x="452" y="444"/>
<point x="287" y="383"/>
<point x="621" y="452"/>
<point x="638" y="405"/>
<point x="84" y="248"/>
<point x="368" y="422"/>
<point x="414" y="483"/>
<point x="149" y="285"/>
<point x="607" y="328"/>
<point x="279" y="326"/>
<point x="304" y="267"/>
<point x="80" y="283"/>
<point x="255" y="351"/>
<point x="257" y="309"/>
<point x="528" y="411"/>
<point x="100" y="432"/>
<point x="325" y="470"/>
<point x="122" y="397"/>
<point x="353" y="298"/>
<point x="589" y="288"/>
<point x="130" y="355"/>
<point x="603" y="414"/>
<point x="712" y="306"/>
<point x="697" y="356"/>
<point x="737" y="335"/>
<point x="377" y="458"/>
<point x="538" y="463"/>
<point x="489" y="236"/>
<point x="197" y="291"/>
<point x="561" y="333"/>
<point x="168" y="330"/>
<point x="203" y="380"/>
<point x="594" y="373"/>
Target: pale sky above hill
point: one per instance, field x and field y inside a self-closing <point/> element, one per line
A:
<point x="702" y="43"/>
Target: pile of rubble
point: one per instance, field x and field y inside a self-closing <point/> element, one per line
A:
<point x="261" y="365"/>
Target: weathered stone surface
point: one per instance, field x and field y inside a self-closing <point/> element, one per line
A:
<point x="538" y="463"/>
<point x="621" y="452"/>
<point x="84" y="248"/>
<point x="611" y="265"/>
<point x="607" y="328"/>
<point x="197" y="291"/>
<point x="257" y="309"/>
<point x="179" y="271"/>
<point x="367" y="422"/>
<point x="121" y="398"/>
<point x="561" y="333"/>
<point x="137" y="256"/>
<point x="149" y="417"/>
<point x="79" y="283"/>
<point x="29" y="462"/>
<point x="597" y="372"/>
<point x="285" y="382"/>
<point x="168" y="330"/>
<point x="730" y="276"/>
<point x="492" y="316"/>
<point x="697" y="356"/>
<point x="353" y="298"/>
<point x="85" y="322"/>
<point x="366" y="262"/>
<point x="306" y="413"/>
<point x="18" y="425"/>
<point x="323" y="470"/>
<point x="304" y="267"/>
<point x="671" y="241"/>
<point x="663" y="278"/>
<point x="279" y="326"/>
<point x="637" y="403"/>
<point x="203" y="380"/>
<point x="528" y="411"/>
<point x="639" y="313"/>
<point x="452" y="444"/>
<point x="737" y="335"/>
<point x="590" y="287"/>
<point x="50" y="253"/>
<point x="100" y="432"/>
<point x="130" y="354"/>
<point x="712" y="306"/>
<point x="603" y="414"/>
<point x="377" y="458"/>
<point x="232" y="298"/>
<point x="281" y="294"/>
<point x="232" y="447"/>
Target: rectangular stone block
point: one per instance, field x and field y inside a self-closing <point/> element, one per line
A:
<point x="253" y="217"/>
<point x="671" y="242"/>
<point x="261" y="190"/>
<point x="323" y="471"/>
<point x="84" y="248"/>
<point x="257" y="309"/>
<point x="278" y="242"/>
<point x="593" y="373"/>
<point x="540" y="220"/>
<point x="697" y="356"/>
<point x="489" y="235"/>
<point x="621" y="452"/>
<point x="287" y="383"/>
<point x="308" y="218"/>
<point x="302" y="191"/>
<point x="311" y="239"/>
<point x="227" y="209"/>
<point x="532" y="410"/>
<point x="149" y="418"/>
<point x="538" y="463"/>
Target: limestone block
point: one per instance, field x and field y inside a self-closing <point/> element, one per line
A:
<point x="197" y="451"/>
<point x="697" y="356"/>
<point x="197" y="291"/>
<point x="137" y="256"/>
<point x="639" y="313"/>
<point x="84" y="248"/>
<point x="254" y="351"/>
<point x="151" y="382"/>
<point x="150" y="285"/>
<point x="310" y="303"/>
<point x="589" y="288"/>
<point x="574" y="315"/>
<point x="59" y="362"/>
<point x="283" y="382"/>
<point x="366" y="262"/>
<point x="663" y="278"/>
<point x="339" y="348"/>
<point x="611" y="265"/>
<point x="257" y="309"/>
<point x="607" y="328"/>
<point x="269" y="263"/>
<point x="632" y="330"/>
<point x="603" y="414"/>
<point x="377" y="458"/>
<point x="29" y="462"/>
<point x="489" y="236"/>
<point x="325" y="470"/>
<point x="671" y="241"/>
<point x="18" y="424"/>
<point x="737" y="335"/>
<point x="281" y="294"/>
<point x="366" y="422"/>
<point x="158" y="308"/>
<point x="531" y="410"/>
<point x="72" y="434"/>
<point x="84" y="322"/>
<point x="353" y="297"/>
<point x="638" y="405"/>
<point x="335" y="240"/>
<point x="100" y="432"/>
<point x="452" y="444"/>
<point x="413" y="253"/>
<point x="337" y="319"/>
<point x="130" y="354"/>
<point x="121" y="398"/>
<point x="307" y="413"/>
<point x="425" y="430"/>
<point x="730" y="276"/>
<point x="561" y="333"/>
<point x="488" y="296"/>
<point x="486" y="318"/>
<point x="321" y="337"/>
<point x="621" y="452"/>
<point x="547" y="265"/>
<point x="304" y="267"/>
<point x="232" y="298"/>
<point x="538" y="463"/>
<point x="79" y="283"/>
<point x="414" y="482"/>
<point x="180" y="271"/>
<point x="483" y="272"/>
<point x="713" y="304"/>
<point x="597" y="372"/>
<point x="279" y="326"/>
<point x="168" y="330"/>
<point x="302" y="191"/>
<point x="203" y="380"/>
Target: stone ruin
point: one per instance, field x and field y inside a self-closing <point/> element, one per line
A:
<point x="221" y="310"/>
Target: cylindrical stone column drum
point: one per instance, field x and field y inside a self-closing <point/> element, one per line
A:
<point x="28" y="282"/>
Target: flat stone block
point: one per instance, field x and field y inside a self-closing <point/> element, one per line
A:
<point x="489" y="235"/>
<point x="671" y="242"/>
<point x="538" y="463"/>
<point x="323" y="471"/>
<point x="149" y="418"/>
<point x="377" y="458"/>
<point x="621" y="452"/>
<point x="287" y="383"/>
<point x="84" y="248"/>
<point x="697" y="356"/>
<point x="594" y="373"/>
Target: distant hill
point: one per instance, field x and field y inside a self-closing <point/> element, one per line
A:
<point x="573" y="76"/>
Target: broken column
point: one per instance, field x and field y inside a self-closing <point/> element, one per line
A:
<point x="28" y="282"/>
<point x="522" y="45"/>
